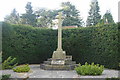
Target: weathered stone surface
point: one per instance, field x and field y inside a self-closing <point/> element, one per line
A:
<point x="58" y="62"/>
<point x="47" y="62"/>
<point x="68" y="57"/>
<point x="68" y="62"/>
<point x="57" y="67"/>
<point x="67" y="65"/>
<point x="59" y="55"/>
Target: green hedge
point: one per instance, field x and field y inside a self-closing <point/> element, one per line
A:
<point x="98" y="44"/>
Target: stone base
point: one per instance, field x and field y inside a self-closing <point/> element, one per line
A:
<point x="59" y="54"/>
<point x="58" y="64"/>
<point x="57" y="67"/>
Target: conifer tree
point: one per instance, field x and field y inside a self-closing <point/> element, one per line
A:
<point x="72" y="16"/>
<point x="94" y="16"/>
<point x="13" y="17"/>
<point x="107" y="17"/>
<point x="29" y="17"/>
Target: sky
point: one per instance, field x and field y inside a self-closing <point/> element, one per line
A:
<point x="6" y="6"/>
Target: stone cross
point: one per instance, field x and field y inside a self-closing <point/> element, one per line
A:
<point x="59" y="53"/>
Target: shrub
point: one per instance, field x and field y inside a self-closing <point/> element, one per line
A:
<point x="6" y="76"/>
<point x="22" y="68"/>
<point x="9" y="63"/>
<point x="0" y="57"/>
<point x="0" y="60"/>
<point x="88" y="69"/>
<point x="113" y="78"/>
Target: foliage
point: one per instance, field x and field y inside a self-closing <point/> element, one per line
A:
<point x="22" y="68"/>
<point x="107" y="17"/>
<point x="112" y="78"/>
<point x="42" y="17"/>
<point x="29" y="17"/>
<point x="45" y="17"/>
<point x="13" y="18"/>
<point x="0" y="57"/>
<point x="6" y="76"/>
<point x="9" y="63"/>
<point x="28" y="44"/>
<point x="72" y="17"/>
<point x="88" y="69"/>
<point x="0" y="60"/>
<point x="94" y="16"/>
<point x="119" y="39"/>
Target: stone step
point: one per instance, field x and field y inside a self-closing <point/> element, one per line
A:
<point x="47" y="62"/>
<point x="50" y="59"/>
<point x="70" y="62"/>
<point x="68" y="57"/>
<point x="57" y="67"/>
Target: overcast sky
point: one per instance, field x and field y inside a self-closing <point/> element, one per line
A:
<point x="6" y="6"/>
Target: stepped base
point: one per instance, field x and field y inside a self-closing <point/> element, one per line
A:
<point x="59" y="64"/>
<point x="57" y="67"/>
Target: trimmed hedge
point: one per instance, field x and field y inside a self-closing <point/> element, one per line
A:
<point x="26" y="43"/>
<point x="98" y="44"/>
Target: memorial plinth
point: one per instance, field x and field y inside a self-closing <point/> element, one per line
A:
<point x="59" y="60"/>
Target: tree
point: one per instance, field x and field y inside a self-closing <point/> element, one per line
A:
<point x="107" y="17"/>
<point x="94" y="16"/>
<point x="13" y="17"/>
<point x="29" y="17"/>
<point x="45" y="17"/>
<point x="72" y="17"/>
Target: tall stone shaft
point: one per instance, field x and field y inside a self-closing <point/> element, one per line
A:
<point x="60" y="32"/>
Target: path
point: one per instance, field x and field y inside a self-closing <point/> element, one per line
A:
<point x="36" y="72"/>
